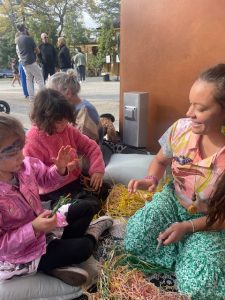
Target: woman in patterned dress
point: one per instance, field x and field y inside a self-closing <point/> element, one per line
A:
<point x="177" y="217"/>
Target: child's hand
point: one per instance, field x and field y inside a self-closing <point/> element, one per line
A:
<point x="74" y="164"/>
<point x="143" y="184"/>
<point x="96" y="180"/>
<point x="63" y="159"/>
<point x="174" y="233"/>
<point x="43" y="223"/>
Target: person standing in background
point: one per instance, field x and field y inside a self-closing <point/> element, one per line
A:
<point x="80" y="62"/>
<point x="15" y="70"/>
<point x="63" y="55"/>
<point x="27" y="51"/>
<point x="21" y="70"/>
<point x="47" y="56"/>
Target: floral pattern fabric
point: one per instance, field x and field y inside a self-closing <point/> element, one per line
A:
<point x="192" y="174"/>
<point x="198" y="259"/>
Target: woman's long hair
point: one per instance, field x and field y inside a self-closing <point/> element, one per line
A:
<point x="216" y="207"/>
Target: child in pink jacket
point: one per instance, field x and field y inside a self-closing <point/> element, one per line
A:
<point x="52" y="116"/>
<point x="23" y="221"/>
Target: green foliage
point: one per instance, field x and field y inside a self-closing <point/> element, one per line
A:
<point x="7" y="51"/>
<point x="94" y="65"/>
<point x="59" y="10"/>
<point x="37" y="26"/>
<point x="75" y="31"/>
<point x="109" y="9"/>
<point x="62" y="201"/>
<point x="7" y="42"/>
<point x="51" y="13"/>
<point x="106" y="42"/>
<point x="57" y="17"/>
<point x="107" y="45"/>
<point x="52" y="16"/>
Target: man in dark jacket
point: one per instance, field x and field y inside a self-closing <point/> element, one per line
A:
<point x="63" y="55"/>
<point x="47" y="56"/>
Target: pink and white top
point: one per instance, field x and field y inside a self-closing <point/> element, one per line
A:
<point x="191" y="173"/>
<point x="45" y="147"/>
<point x="19" y="206"/>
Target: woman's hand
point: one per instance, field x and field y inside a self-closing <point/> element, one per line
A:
<point x="96" y="180"/>
<point x="143" y="184"/>
<point x="44" y="223"/>
<point x="174" y="233"/>
<point x="63" y="159"/>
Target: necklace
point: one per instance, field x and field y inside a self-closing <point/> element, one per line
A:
<point x="192" y="209"/>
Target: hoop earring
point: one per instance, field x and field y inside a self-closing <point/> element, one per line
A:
<point x="222" y="129"/>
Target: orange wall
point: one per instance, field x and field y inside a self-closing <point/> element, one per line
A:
<point x="164" y="45"/>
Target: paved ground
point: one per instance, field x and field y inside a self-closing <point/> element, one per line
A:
<point x="103" y="95"/>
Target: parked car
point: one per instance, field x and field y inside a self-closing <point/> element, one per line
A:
<point x="6" y="73"/>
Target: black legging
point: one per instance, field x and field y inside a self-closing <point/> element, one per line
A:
<point x="81" y="71"/>
<point x="74" y="247"/>
<point x="76" y="191"/>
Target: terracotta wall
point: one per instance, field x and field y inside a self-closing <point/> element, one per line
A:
<point x="164" y="45"/>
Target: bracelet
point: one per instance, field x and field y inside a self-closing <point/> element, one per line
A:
<point x="155" y="179"/>
<point x="192" y="224"/>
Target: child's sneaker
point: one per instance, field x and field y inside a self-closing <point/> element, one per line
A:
<point x="117" y="231"/>
<point x="71" y="275"/>
<point x="92" y="267"/>
<point x="98" y="226"/>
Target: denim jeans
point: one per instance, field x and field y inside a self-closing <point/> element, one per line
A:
<point x="23" y="80"/>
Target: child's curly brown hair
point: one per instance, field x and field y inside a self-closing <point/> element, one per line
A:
<point x="49" y="107"/>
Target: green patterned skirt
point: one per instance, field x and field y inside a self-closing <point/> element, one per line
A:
<point x="198" y="259"/>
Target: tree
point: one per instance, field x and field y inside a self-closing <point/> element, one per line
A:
<point x="75" y="30"/>
<point x="38" y="25"/>
<point x="58" y="10"/>
<point x="109" y="9"/>
<point x="7" y="35"/>
<point x="54" y="16"/>
<point x="8" y="10"/>
<point x="106" y="43"/>
<point x="54" y="12"/>
<point x="6" y="52"/>
<point x="108" y="39"/>
<point x="58" y="18"/>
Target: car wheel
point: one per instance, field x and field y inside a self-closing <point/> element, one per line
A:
<point x="4" y="107"/>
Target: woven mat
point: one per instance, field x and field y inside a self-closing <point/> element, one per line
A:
<point x="110" y="248"/>
<point x="103" y="253"/>
<point x="104" y="249"/>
